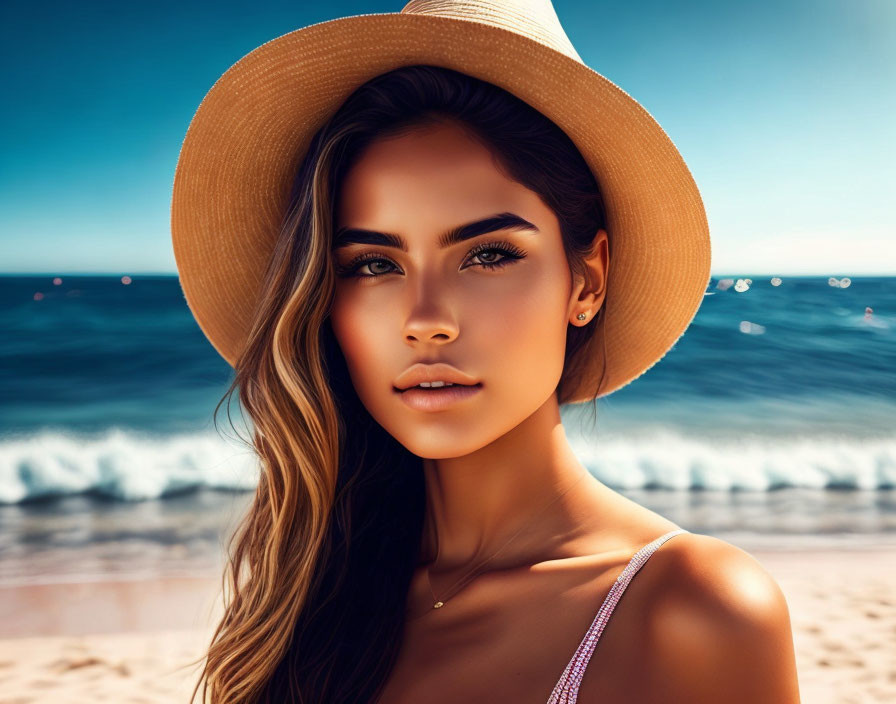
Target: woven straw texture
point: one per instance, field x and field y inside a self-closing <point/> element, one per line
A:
<point x="250" y="132"/>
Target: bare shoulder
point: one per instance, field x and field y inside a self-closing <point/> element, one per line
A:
<point x="717" y="627"/>
<point x="716" y="580"/>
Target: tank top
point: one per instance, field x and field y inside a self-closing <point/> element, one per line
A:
<point x="567" y="688"/>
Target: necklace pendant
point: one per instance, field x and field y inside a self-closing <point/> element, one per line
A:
<point x="438" y="605"/>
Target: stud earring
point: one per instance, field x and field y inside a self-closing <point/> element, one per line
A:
<point x="581" y="316"/>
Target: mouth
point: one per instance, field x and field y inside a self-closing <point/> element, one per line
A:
<point x="437" y="398"/>
<point x="435" y="388"/>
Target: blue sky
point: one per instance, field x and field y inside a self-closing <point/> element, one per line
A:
<point x="783" y="110"/>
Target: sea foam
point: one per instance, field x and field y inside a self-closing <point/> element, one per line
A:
<point x="129" y="466"/>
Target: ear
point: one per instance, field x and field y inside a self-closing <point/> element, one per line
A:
<point x="588" y="293"/>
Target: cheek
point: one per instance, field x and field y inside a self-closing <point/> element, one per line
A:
<point x="360" y="333"/>
<point x="527" y="335"/>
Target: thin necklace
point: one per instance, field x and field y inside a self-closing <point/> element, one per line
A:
<point x="439" y="603"/>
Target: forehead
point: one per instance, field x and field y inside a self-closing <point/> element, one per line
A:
<point x="426" y="176"/>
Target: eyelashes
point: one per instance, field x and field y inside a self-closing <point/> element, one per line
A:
<point x="510" y="253"/>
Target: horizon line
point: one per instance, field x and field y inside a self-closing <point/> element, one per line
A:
<point x="175" y="274"/>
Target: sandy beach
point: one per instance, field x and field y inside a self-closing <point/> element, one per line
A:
<point x="129" y="641"/>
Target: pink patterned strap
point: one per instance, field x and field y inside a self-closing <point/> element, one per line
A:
<point x="567" y="688"/>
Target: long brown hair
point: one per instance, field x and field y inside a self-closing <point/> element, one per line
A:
<point x="320" y="566"/>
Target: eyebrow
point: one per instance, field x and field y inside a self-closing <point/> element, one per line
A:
<point x="346" y="236"/>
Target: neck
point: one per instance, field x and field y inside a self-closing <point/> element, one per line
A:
<point x="477" y="502"/>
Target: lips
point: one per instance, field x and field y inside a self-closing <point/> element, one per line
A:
<point x="437" y="399"/>
<point x="440" y="371"/>
<point x="432" y="388"/>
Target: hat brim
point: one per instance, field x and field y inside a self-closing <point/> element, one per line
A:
<point x="246" y="140"/>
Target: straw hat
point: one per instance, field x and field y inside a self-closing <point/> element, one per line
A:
<point x="248" y="136"/>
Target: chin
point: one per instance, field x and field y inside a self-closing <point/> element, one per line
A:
<point x="433" y="444"/>
<point x="449" y="434"/>
<point x="446" y="440"/>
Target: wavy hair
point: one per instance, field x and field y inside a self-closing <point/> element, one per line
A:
<point x="320" y="566"/>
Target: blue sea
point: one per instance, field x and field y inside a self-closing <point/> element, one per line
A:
<point x="771" y="422"/>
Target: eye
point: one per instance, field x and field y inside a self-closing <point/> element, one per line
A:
<point x="485" y="252"/>
<point x="351" y="269"/>
<point x="509" y="253"/>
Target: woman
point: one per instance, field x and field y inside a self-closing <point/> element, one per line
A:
<point x="438" y="284"/>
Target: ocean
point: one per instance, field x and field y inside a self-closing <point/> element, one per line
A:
<point x="769" y="423"/>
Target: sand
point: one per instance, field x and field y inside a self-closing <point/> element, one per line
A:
<point x="128" y="641"/>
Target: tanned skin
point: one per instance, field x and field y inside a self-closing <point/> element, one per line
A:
<point x="702" y="622"/>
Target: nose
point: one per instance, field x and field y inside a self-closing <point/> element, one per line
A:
<point x="424" y="331"/>
<point x="430" y="321"/>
